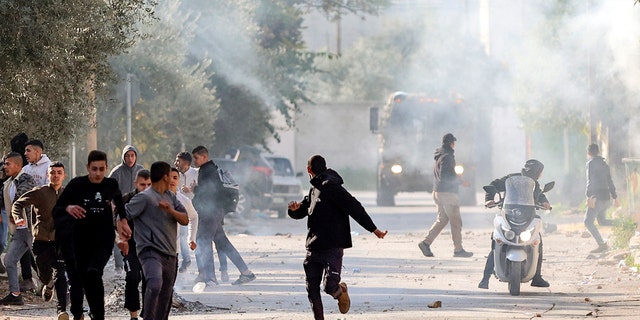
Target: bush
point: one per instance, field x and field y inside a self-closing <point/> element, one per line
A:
<point x="623" y="230"/>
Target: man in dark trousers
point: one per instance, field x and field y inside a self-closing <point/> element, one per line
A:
<point x="132" y="267"/>
<point x="88" y="200"/>
<point x="48" y="258"/>
<point x="328" y="208"/>
<point x="156" y="213"/>
<point x="600" y="191"/>
<point x="532" y="169"/>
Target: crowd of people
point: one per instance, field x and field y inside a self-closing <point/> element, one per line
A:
<point x="142" y="217"/>
<point x="150" y="219"/>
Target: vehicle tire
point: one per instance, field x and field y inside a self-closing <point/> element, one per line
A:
<point x="385" y="198"/>
<point x="245" y="204"/>
<point x="515" y="275"/>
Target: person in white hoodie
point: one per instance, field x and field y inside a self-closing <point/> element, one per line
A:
<point x="38" y="162"/>
<point x="125" y="173"/>
<point x="38" y="168"/>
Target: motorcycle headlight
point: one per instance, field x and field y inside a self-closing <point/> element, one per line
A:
<point x="526" y="235"/>
<point x="396" y="168"/>
<point x="510" y="235"/>
<point x="459" y="169"/>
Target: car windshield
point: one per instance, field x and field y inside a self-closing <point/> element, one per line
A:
<point x="281" y="166"/>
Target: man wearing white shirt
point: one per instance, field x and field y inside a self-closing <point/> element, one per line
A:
<point x="188" y="179"/>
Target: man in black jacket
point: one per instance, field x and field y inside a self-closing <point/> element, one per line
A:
<point x="445" y="195"/>
<point x="328" y="208"/>
<point x="600" y="190"/>
<point x="532" y="169"/>
<point x="206" y="200"/>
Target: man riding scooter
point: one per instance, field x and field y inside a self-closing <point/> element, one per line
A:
<point x="532" y="169"/>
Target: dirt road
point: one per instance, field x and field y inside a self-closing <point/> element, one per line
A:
<point x="390" y="279"/>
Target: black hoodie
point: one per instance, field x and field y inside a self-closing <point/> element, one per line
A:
<point x="328" y="207"/>
<point x="445" y="178"/>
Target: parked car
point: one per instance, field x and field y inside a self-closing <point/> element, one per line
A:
<point x="254" y="176"/>
<point x="286" y="185"/>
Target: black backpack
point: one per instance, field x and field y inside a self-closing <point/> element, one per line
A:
<point x="230" y="192"/>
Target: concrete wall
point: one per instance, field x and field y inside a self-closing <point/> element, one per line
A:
<point x="339" y="132"/>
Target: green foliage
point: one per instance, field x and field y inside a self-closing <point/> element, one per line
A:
<point x="565" y="71"/>
<point x="623" y="230"/>
<point x="260" y="62"/>
<point x="333" y="9"/>
<point x="54" y="59"/>
<point x="177" y="106"/>
<point x="429" y="55"/>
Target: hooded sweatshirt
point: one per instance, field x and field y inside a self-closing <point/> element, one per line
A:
<point x="39" y="170"/>
<point x="126" y="176"/>
<point x="328" y="208"/>
<point x="445" y="178"/>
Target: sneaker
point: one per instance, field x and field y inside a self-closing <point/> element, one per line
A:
<point x="47" y="293"/>
<point x="426" y="250"/>
<point x="199" y="278"/>
<point x="199" y="287"/>
<point x="539" y="282"/>
<point x="462" y="254"/>
<point x="184" y="266"/>
<point x="63" y="315"/>
<point x="245" y="279"/>
<point x="484" y="284"/>
<point x="211" y="283"/>
<point x="27" y="285"/>
<point x="12" y="300"/>
<point x="224" y="276"/>
<point x="343" y="300"/>
<point x="601" y="248"/>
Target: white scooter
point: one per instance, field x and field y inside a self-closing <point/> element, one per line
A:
<point x="516" y="232"/>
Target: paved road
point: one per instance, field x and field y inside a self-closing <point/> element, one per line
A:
<point x="390" y="279"/>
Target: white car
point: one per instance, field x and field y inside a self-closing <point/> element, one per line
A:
<point x="286" y="185"/>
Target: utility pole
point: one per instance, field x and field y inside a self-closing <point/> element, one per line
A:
<point x="128" y="91"/>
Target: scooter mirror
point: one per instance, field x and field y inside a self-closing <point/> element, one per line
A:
<point x="490" y="189"/>
<point x="548" y="186"/>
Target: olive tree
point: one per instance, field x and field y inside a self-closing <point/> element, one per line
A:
<point x="54" y="60"/>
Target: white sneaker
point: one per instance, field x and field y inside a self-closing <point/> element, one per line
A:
<point x="199" y="287"/>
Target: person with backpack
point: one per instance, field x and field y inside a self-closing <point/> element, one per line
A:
<point x="209" y="199"/>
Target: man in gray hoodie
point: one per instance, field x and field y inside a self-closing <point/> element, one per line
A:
<point x="125" y="173"/>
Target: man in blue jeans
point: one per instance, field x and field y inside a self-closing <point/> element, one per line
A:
<point x="15" y="186"/>
<point x="206" y="200"/>
<point x="600" y="191"/>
